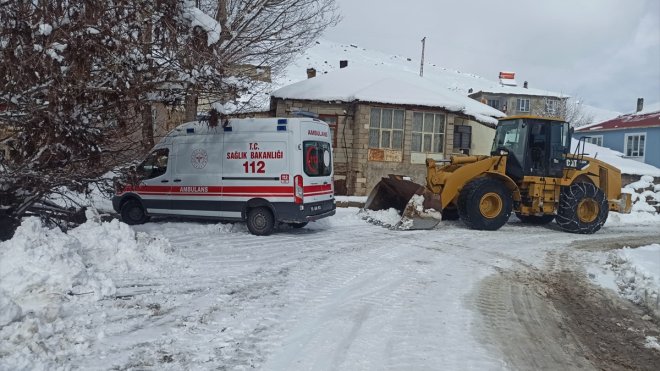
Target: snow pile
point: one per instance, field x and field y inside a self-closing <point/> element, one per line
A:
<point x="637" y="274"/>
<point x="45" y="273"/>
<point x="389" y="218"/>
<point x="645" y="195"/>
<point x="415" y="216"/>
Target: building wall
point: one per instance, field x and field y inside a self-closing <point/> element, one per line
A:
<point x="482" y="136"/>
<point x="536" y="103"/>
<point x="358" y="168"/>
<point x="615" y="139"/>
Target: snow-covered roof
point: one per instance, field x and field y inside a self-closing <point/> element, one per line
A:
<point x="386" y="86"/>
<point x="516" y="90"/>
<point x="615" y="158"/>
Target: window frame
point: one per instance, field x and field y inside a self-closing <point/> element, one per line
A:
<point x="551" y="102"/>
<point x="520" y="105"/>
<point x="391" y="129"/>
<point x="598" y="138"/>
<point x="625" y="145"/>
<point x="495" y="103"/>
<point x="432" y="133"/>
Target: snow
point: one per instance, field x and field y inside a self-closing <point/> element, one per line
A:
<point x="47" y="275"/>
<point x="338" y="294"/>
<point x="616" y="159"/>
<point x="198" y="18"/>
<point x="637" y="274"/>
<point x="386" y="86"/>
<point x="45" y="29"/>
<point x="649" y="108"/>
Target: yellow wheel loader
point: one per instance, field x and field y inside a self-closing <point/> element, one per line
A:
<point x="530" y="172"/>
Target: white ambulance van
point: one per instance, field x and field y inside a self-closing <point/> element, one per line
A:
<point x="262" y="171"/>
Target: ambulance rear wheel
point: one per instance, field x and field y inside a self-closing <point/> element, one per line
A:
<point x="133" y="213"/>
<point x="260" y="221"/>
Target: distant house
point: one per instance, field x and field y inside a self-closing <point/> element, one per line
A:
<point x="636" y="135"/>
<point x="388" y="123"/>
<point x="514" y="100"/>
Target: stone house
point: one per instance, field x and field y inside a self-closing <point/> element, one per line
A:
<point x="387" y="123"/>
<point x="511" y="99"/>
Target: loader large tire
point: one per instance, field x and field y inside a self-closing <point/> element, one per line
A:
<point x="582" y="208"/>
<point x="485" y="204"/>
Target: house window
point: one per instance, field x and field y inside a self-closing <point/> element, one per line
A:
<point x="331" y="120"/>
<point x="462" y="138"/>
<point x="386" y="128"/>
<point x="634" y="145"/>
<point x="595" y="139"/>
<point x="551" y="106"/>
<point x="523" y="105"/>
<point x="495" y="103"/>
<point x="428" y="132"/>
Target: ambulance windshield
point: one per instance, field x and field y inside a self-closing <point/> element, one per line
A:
<point x="154" y="165"/>
<point x="317" y="158"/>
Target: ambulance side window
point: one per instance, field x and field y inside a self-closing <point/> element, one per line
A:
<point x="154" y="165"/>
<point x="317" y="158"/>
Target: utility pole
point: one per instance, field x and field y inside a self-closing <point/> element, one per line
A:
<point x="421" y="66"/>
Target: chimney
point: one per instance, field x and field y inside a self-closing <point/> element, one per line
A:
<point x="343" y="64"/>
<point x="640" y="104"/>
<point x="311" y="72"/>
<point x="525" y="84"/>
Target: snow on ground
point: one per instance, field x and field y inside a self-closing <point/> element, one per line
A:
<point x="338" y="294"/>
<point x="50" y="283"/>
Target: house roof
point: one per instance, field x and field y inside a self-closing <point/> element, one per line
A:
<point x="630" y="121"/>
<point x="386" y="86"/>
<point x="517" y="90"/>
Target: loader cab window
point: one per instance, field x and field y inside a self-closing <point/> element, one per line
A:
<point x="511" y="136"/>
<point x="154" y="165"/>
<point x="317" y="158"/>
<point x="560" y="145"/>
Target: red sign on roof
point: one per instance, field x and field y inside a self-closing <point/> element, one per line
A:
<point x="507" y="75"/>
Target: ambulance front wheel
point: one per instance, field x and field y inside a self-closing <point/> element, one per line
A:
<point x="260" y="221"/>
<point x="133" y="213"/>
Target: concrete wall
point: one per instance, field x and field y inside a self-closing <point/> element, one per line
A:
<point x="615" y="139"/>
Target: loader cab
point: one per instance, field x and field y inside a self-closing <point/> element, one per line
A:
<point x="535" y="146"/>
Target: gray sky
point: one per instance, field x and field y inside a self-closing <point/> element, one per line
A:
<point x="606" y="52"/>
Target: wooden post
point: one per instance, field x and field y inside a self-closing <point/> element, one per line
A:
<point x="421" y="66"/>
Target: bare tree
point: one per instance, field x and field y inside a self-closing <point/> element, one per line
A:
<point x="256" y="36"/>
<point x="576" y="114"/>
<point x="80" y="78"/>
<point x="77" y="82"/>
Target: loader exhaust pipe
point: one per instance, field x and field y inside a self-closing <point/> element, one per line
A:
<point x="419" y="208"/>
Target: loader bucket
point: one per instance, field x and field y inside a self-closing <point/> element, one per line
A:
<point x="419" y="208"/>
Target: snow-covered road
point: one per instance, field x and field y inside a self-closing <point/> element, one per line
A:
<point x="342" y="294"/>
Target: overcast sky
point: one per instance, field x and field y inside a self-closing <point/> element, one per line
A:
<point x="607" y="52"/>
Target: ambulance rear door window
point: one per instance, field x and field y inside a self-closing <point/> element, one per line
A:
<point x="317" y="158"/>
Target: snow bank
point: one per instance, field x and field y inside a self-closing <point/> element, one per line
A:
<point x="637" y="274"/>
<point x="45" y="272"/>
<point x="644" y="195"/>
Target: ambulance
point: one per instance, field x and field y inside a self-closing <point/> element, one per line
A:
<point x="262" y="171"/>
